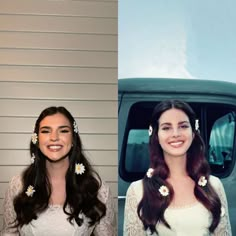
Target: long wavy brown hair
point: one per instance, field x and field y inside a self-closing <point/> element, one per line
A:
<point x="81" y="190"/>
<point x="152" y="206"/>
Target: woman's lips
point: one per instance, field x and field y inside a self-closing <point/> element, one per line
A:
<point x="176" y="143"/>
<point x="54" y="147"/>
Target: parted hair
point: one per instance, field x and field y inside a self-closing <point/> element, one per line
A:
<point x="81" y="190"/>
<point x="152" y="206"/>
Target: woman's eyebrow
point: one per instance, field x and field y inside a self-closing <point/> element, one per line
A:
<point x="60" y="127"/>
<point x="184" y="122"/>
<point x="45" y="127"/>
<point x="165" y="123"/>
<point x="64" y="126"/>
<point x="180" y="123"/>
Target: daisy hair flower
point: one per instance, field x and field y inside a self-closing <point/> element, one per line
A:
<point x="34" y="138"/>
<point x="32" y="159"/>
<point x="164" y="191"/>
<point x="150" y="172"/>
<point x="79" y="168"/>
<point x="150" y="130"/>
<point x="222" y="213"/>
<point x="30" y="191"/>
<point x="196" y="125"/>
<point x="148" y="231"/>
<point x="75" y="127"/>
<point x="202" y="181"/>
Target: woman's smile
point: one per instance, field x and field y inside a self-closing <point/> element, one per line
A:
<point x="55" y="137"/>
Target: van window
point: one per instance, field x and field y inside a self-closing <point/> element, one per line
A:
<point x="137" y="151"/>
<point x="221" y="141"/>
<point x="217" y="130"/>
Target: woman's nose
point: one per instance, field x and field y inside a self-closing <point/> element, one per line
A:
<point x="176" y="132"/>
<point x="54" y="136"/>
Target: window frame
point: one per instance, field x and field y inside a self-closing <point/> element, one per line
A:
<point x="203" y="109"/>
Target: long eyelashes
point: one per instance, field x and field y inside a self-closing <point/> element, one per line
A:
<point x="180" y="127"/>
<point x="48" y="131"/>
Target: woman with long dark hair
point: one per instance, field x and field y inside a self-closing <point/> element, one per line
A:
<point x="59" y="193"/>
<point x="177" y="196"/>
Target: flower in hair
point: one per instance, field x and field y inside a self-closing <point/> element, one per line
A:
<point x="75" y="127"/>
<point x="164" y="191"/>
<point x="222" y="211"/>
<point x="79" y="168"/>
<point x="30" y="191"/>
<point x="150" y="130"/>
<point x="202" y="181"/>
<point x="196" y="125"/>
<point x="148" y="231"/>
<point x="150" y="172"/>
<point x="34" y="138"/>
<point x="32" y="159"/>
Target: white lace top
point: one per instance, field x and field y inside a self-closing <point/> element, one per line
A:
<point x="191" y="220"/>
<point x="53" y="221"/>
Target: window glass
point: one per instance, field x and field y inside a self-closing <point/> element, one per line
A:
<point x="217" y="128"/>
<point x="137" y="151"/>
<point x="221" y="141"/>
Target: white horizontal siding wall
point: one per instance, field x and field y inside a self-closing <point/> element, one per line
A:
<point x="61" y="53"/>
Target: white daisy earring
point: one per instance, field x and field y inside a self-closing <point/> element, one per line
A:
<point x="79" y="168"/>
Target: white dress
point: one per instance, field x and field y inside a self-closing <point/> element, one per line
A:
<point x="188" y="220"/>
<point x="53" y="221"/>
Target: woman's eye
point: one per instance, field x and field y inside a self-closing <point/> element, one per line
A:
<point x="184" y="126"/>
<point x="65" y="131"/>
<point x="44" y="131"/>
<point x="165" y="128"/>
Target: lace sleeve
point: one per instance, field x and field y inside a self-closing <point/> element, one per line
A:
<point x="132" y="224"/>
<point x="224" y="227"/>
<point x="107" y="225"/>
<point x="8" y="209"/>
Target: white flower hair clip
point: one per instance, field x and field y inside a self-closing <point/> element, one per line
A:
<point x="202" y="181"/>
<point x="150" y="172"/>
<point x="34" y="138"/>
<point x="32" y="159"/>
<point x="148" y="232"/>
<point x="222" y="211"/>
<point x="150" y="130"/>
<point x="164" y="191"/>
<point x="79" y="168"/>
<point x="76" y="130"/>
<point x="30" y="191"/>
<point x="197" y="125"/>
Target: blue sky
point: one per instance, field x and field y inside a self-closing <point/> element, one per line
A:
<point x="177" y="39"/>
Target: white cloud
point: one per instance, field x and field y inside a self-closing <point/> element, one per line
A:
<point x="164" y="57"/>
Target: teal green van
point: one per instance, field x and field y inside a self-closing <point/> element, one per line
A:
<point x="215" y="105"/>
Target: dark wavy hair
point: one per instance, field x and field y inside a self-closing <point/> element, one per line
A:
<point x="81" y="190"/>
<point x="152" y="206"/>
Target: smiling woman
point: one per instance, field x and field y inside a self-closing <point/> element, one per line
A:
<point x="177" y="196"/>
<point x="55" y="137"/>
<point x="59" y="193"/>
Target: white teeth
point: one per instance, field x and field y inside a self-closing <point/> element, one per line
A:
<point x="176" y="143"/>
<point x="55" y="147"/>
